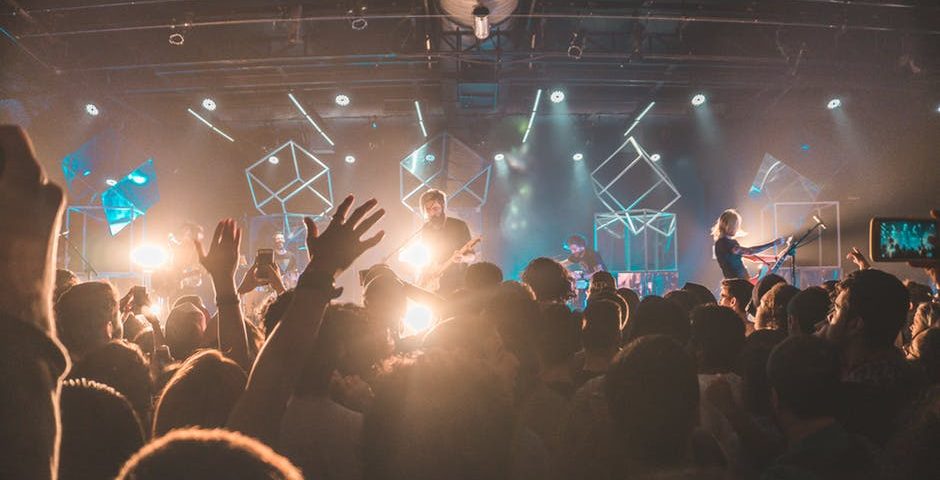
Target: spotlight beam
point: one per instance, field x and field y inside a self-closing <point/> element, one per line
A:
<point x="639" y="117"/>
<point x="535" y="107"/>
<point x="307" y="116"/>
<point x="210" y="125"/>
<point x="421" y="119"/>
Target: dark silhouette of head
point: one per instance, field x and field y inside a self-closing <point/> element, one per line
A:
<point x="100" y="430"/>
<point x="557" y="335"/>
<point x="736" y="294"/>
<point x="804" y="374"/>
<point x="482" y="276"/>
<point x="185" y="330"/>
<point x="87" y="317"/>
<point x="869" y="310"/>
<point x="64" y="280"/>
<point x="702" y="293"/>
<point x="685" y="299"/>
<point x="600" y="328"/>
<point x="658" y="316"/>
<point x="550" y="281"/>
<point x="760" y="288"/>
<point x="772" y="310"/>
<point x="201" y="393"/>
<point x="121" y="365"/>
<point x="273" y="311"/>
<point x="717" y="338"/>
<point x="807" y="309"/>
<point x="653" y="397"/>
<point x="208" y="454"/>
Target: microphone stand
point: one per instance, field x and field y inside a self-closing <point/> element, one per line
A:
<point x="791" y="252"/>
<point x="89" y="270"/>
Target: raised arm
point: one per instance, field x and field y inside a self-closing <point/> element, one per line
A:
<point x="221" y="262"/>
<point x="739" y="250"/>
<point x="278" y="366"/>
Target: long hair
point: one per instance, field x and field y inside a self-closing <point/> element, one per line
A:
<point x="722" y="226"/>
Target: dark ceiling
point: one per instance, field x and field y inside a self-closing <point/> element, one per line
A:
<point x="247" y="52"/>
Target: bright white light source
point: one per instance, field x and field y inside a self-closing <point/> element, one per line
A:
<point x="834" y="104"/>
<point x="430" y="158"/>
<point x="91" y="109"/>
<point x="698" y="99"/>
<point x="499" y="157"/>
<point x="342" y="100"/>
<point x="137" y="178"/>
<point x="350" y="159"/>
<point x="208" y="104"/>
<point x="274" y="160"/>
<point x="417" y="255"/>
<point x="481" y="22"/>
<point x="149" y="257"/>
<point x="577" y="157"/>
<point x="110" y="182"/>
<point x="418" y="318"/>
<point x="655" y="157"/>
<point x="557" y="96"/>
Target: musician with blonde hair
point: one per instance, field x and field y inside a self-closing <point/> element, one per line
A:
<point x="728" y="251"/>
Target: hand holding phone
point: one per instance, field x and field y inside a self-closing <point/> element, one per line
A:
<point x="903" y="239"/>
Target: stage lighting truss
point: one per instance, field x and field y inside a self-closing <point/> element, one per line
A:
<point x="617" y="181"/>
<point x="278" y="188"/>
<point x="461" y="173"/>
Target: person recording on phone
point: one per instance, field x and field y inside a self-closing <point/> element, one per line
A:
<point x="728" y="251"/>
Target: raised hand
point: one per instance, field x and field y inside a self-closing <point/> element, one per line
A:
<point x="30" y="215"/>
<point x="931" y="267"/>
<point x="222" y="258"/>
<point x="858" y="258"/>
<point x="334" y="250"/>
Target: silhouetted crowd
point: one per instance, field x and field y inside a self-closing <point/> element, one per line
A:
<point x="836" y="381"/>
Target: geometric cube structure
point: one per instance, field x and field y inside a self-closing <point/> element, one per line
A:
<point x="130" y="197"/>
<point x="297" y="182"/>
<point x="778" y="182"/>
<point x="820" y="257"/>
<point x="448" y="164"/>
<point x="637" y="241"/>
<point x="628" y="180"/>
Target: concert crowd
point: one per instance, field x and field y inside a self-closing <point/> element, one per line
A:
<point x="834" y="381"/>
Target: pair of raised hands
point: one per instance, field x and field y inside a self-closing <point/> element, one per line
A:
<point x="331" y="252"/>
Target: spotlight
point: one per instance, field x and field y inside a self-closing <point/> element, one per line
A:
<point x="576" y="47"/>
<point x="91" y="109"/>
<point x="418" y="318"/>
<point x="86" y="173"/>
<point x="417" y="255"/>
<point x="137" y="178"/>
<point x="342" y="100"/>
<point x="834" y="104"/>
<point x="429" y="158"/>
<point x="557" y="96"/>
<point x="655" y="157"/>
<point x="698" y="99"/>
<point x="209" y="104"/>
<point x="110" y="182"/>
<point x="273" y="160"/>
<point x="577" y="157"/>
<point x="350" y="159"/>
<point x="149" y="257"/>
<point x="938" y="109"/>
<point x="481" y="22"/>
<point x="359" y="24"/>
<point x="176" y="39"/>
<point x="499" y="157"/>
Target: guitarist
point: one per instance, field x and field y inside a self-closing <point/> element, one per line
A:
<point x="728" y="251"/>
<point x="444" y="236"/>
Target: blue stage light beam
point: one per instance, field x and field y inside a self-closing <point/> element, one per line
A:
<point x="210" y="125"/>
<point x="639" y="117"/>
<point x="535" y="107"/>
<point x="307" y="116"/>
<point x="130" y="197"/>
<point x="421" y="119"/>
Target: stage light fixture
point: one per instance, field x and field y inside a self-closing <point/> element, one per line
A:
<point x="309" y="119"/>
<point x="698" y="99"/>
<point x="342" y="100"/>
<point x="274" y="160"/>
<point x="417" y="255"/>
<point x="359" y="24"/>
<point x="655" y="157"/>
<point x="210" y="125"/>
<point x="430" y="158"/>
<point x="110" y="182"/>
<point x="136" y="178"/>
<point x="176" y="39"/>
<point x="834" y="104"/>
<point x="576" y="47"/>
<point x="418" y="318"/>
<point x="350" y="159"/>
<point x="577" y="157"/>
<point x="535" y="107"/>
<point x="424" y="131"/>
<point x="208" y="104"/>
<point x="92" y="109"/>
<point x="86" y="173"/>
<point x="481" y="22"/>
<point x="499" y="157"/>
<point x="557" y="96"/>
<point x="149" y="257"/>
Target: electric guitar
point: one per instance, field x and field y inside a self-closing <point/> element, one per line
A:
<point x="430" y="278"/>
